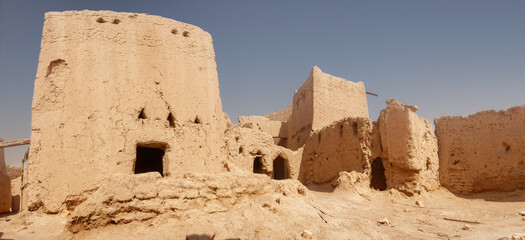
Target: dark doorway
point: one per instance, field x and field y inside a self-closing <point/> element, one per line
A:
<point x="280" y="170"/>
<point x="257" y="165"/>
<point x="149" y="160"/>
<point x="378" y="180"/>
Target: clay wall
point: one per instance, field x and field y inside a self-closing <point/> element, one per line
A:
<point x="301" y="119"/>
<point x="336" y="98"/>
<point x="3" y="167"/>
<point x="283" y="115"/>
<point x="109" y="82"/>
<point x="5" y="184"/>
<point x="277" y="129"/>
<point x="16" y="194"/>
<point x="249" y="147"/>
<point x="482" y="152"/>
<point x="345" y="145"/>
<point x="320" y="101"/>
<point x="14" y="171"/>
<point x="409" y="149"/>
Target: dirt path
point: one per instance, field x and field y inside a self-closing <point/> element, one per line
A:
<point x="440" y="214"/>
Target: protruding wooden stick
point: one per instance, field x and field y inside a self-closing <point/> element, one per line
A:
<point x="15" y="143"/>
<point x="461" y="220"/>
<point x="373" y="94"/>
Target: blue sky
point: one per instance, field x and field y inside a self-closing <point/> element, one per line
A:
<point x="447" y="57"/>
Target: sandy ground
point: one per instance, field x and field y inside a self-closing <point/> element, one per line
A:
<point x="326" y="214"/>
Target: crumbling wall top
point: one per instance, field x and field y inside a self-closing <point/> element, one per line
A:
<point x="282" y="115"/>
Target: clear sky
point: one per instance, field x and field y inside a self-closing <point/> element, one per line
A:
<point x="447" y="57"/>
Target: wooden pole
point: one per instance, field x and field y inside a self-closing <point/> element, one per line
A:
<point x="15" y="143"/>
<point x="373" y="94"/>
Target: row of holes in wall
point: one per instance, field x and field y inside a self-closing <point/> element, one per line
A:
<point x="170" y="118"/>
<point x="117" y="21"/>
<point x="101" y="20"/>
<point x="185" y="33"/>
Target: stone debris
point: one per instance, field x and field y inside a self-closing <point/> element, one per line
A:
<point x="522" y="213"/>
<point x="466" y="227"/>
<point x="383" y="221"/>
<point x="419" y="203"/>
<point x="307" y="234"/>
<point x="518" y="236"/>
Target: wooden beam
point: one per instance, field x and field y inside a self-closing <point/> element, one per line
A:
<point x="373" y="94"/>
<point x="461" y="220"/>
<point x="15" y="143"/>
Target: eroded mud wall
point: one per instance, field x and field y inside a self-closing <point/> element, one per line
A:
<point x="336" y="98"/>
<point x="345" y="145"/>
<point x="482" y="152"/>
<point x="252" y="150"/>
<point x="283" y="115"/>
<point x="277" y="129"/>
<point x="5" y="184"/>
<point x="409" y="149"/>
<point x="300" y="122"/>
<point x="322" y="100"/>
<point x="108" y="83"/>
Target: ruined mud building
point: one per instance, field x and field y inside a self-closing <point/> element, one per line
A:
<point x="118" y="94"/>
<point x="5" y="185"/>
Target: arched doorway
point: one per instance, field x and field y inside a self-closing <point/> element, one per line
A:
<point x="257" y="165"/>
<point x="280" y="169"/>
<point x="378" y="180"/>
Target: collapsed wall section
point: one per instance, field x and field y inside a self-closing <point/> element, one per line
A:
<point x="482" y="152"/>
<point x="409" y="149"/>
<point x="124" y="198"/>
<point x="108" y="83"/>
